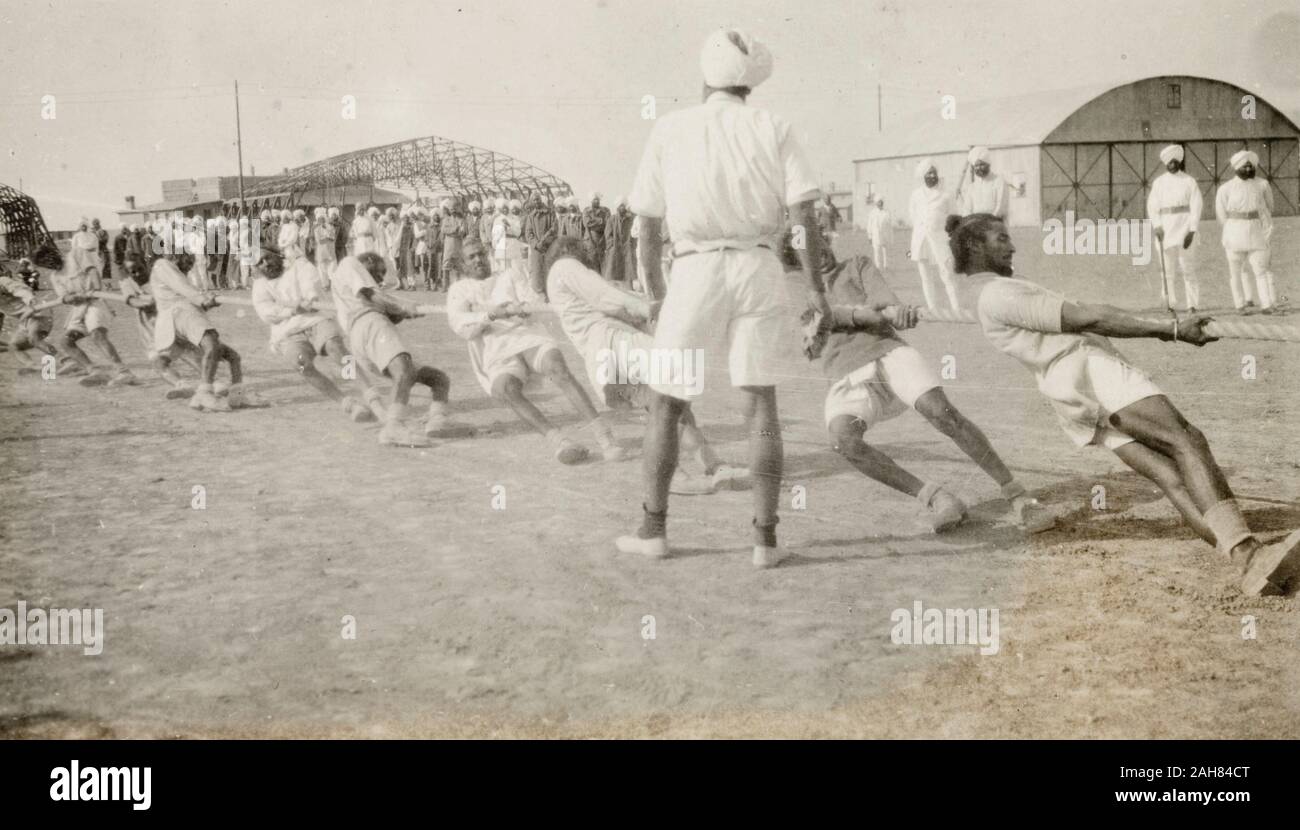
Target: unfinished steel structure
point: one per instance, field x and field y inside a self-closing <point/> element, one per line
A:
<point x="431" y="165"/>
<point x="22" y="228"/>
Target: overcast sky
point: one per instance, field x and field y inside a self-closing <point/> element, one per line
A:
<point x="143" y="90"/>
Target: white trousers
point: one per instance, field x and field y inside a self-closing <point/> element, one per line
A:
<point x="1179" y="260"/>
<point x="928" y="289"/>
<point x="880" y="254"/>
<point x="1240" y="285"/>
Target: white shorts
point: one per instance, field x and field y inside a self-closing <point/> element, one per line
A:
<point x="729" y="300"/>
<point x="374" y="338"/>
<point x="882" y="389"/>
<point x="86" y="317"/>
<point x="317" y="336"/>
<point x="190" y="323"/>
<point x="521" y="364"/>
<point x="1086" y="387"/>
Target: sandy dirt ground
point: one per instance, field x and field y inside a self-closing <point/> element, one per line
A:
<point x="474" y="621"/>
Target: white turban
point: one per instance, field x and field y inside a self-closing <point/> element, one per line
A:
<point x="300" y="213"/>
<point x="977" y="154"/>
<point x="334" y="212"/>
<point x="1240" y="158"/>
<point x="445" y="204"/>
<point x="515" y="203"/>
<point x="475" y="206"/>
<point x="732" y="58"/>
<point x="923" y="166"/>
<point x="373" y="212"/>
<point x="286" y="214"/>
<point x="595" y="194"/>
<point x="500" y="203"/>
<point x="135" y="228"/>
<point x="1173" y="151"/>
<point x="620" y="200"/>
<point x="319" y="212"/>
<point x="266" y="216"/>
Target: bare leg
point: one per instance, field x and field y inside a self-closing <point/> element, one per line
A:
<point x="100" y="338"/>
<point x="765" y="454"/>
<point x="1162" y="470"/>
<point x="231" y="357"/>
<point x="510" y="389"/>
<point x="305" y="360"/>
<point x="660" y="449"/>
<point x="935" y="407"/>
<point x="692" y="440"/>
<point x="1158" y="425"/>
<point x="402" y="370"/>
<point x="554" y="367"/>
<point x="437" y="381"/>
<point x="211" y="347"/>
<point x="72" y="350"/>
<point x="846" y="439"/>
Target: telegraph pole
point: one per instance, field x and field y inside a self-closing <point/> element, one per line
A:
<point x="880" y="118"/>
<point x="239" y="143"/>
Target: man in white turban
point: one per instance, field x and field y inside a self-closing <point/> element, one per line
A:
<point x="985" y="192"/>
<point x="1244" y="206"/>
<point x="290" y="239"/>
<point x="722" y="175"/>
<point x="1174" y="210"/>
<point x="929" y="208"/>
<point x="880" y="230"/>
<point x="84" y="251"/>
<point x="364" y="231"/>
<point x="326" y="254"/>
<point x="485" y="224"/>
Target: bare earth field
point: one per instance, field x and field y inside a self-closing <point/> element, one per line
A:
<point x="476" y="622"/>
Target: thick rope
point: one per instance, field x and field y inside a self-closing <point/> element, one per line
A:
<point x="1224" y="329"/>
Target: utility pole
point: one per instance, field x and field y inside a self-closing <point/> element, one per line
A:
<point x="880" y="117"/>
<point x="239" y="143"/>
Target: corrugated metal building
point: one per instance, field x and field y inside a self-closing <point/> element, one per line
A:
<point x="1090" y="150"/>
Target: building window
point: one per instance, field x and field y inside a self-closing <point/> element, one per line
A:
<point x="1174" y="97"/>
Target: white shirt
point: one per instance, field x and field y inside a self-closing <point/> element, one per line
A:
<point x="350" y="279"/>
<point x="584" y="301"/>
<point x="289" y="241"/>
<point x="929" y="208"/>
<point x="723" y="173"/>
<point x="491" y="343"/>
<point x="879" y="224"/>
<point x="1245" y="196"/>
<point x="1180" y="192"/>
<point x="169" y="286"/>
<point x="1023" y="319"/>
<point x="363" y="235"/>
<point x="276" y="301"/>
<point x="985" y="195"/>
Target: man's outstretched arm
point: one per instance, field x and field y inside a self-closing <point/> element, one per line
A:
<point x="1108" y="321"/>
